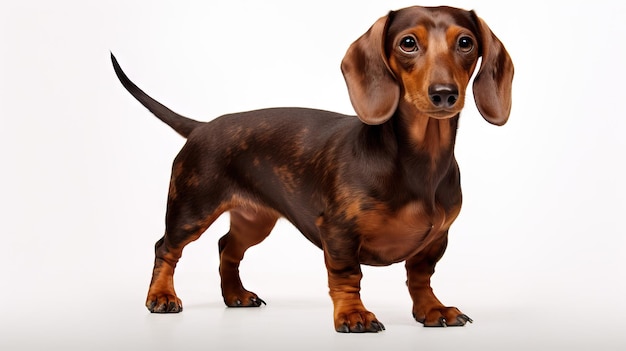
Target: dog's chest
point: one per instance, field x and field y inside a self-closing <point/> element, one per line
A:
<point x="390" y="237"/>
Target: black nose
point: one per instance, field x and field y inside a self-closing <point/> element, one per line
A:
<point x="443" y="95"/>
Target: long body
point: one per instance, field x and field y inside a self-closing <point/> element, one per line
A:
<point x="378" y="188"/>
<point x="311" y="165"/>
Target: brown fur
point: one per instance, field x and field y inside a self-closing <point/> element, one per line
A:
<point x="378" y="189"/>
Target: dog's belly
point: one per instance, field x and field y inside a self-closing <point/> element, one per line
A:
<point x="389" y="238"/>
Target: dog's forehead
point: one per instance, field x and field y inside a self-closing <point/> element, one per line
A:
<point x="430" y="17"/>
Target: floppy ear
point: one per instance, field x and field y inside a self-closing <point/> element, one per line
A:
<point x="373" y="90"/>
<point x="493" y="83"/>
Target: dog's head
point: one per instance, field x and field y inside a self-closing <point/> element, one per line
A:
<point x="422" y="59"/>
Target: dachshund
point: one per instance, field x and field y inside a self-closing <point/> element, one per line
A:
<point x="378" y="188"/>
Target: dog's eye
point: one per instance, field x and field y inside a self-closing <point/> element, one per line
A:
<point x="408" y="44"/>
<point x="466" y="44"/>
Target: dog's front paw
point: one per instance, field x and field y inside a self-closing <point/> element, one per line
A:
<point x="164" y="303"/>
<point x="442" y="317"/>
<point x="357" y="322"/>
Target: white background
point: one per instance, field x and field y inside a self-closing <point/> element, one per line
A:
<point x="536" y="257"/>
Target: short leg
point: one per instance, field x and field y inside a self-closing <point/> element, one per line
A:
<point x="248" y="227"/>
<point x="344" y="281"/>
<point x="190" y="211"/>
<point x="161" y="296"/>
<point x="427" y="309"/>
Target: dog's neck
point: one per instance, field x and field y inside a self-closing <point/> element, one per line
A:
<point x="417" y="150"/>
<point x="417" y="137"/>
<point x="425" y="135"/>
<point x="430" y="135"/>
<point x="426" y="146"/>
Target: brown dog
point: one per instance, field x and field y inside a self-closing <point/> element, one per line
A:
<point x="378" y="189"/>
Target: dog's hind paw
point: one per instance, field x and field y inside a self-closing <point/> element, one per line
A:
<point x="246" y="299"/>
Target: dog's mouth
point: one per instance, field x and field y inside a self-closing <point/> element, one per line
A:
<point x="442" y="114"/>
<point x="424" y="107"/>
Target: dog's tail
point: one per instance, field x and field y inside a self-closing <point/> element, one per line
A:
<point x="183" y="125"/>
